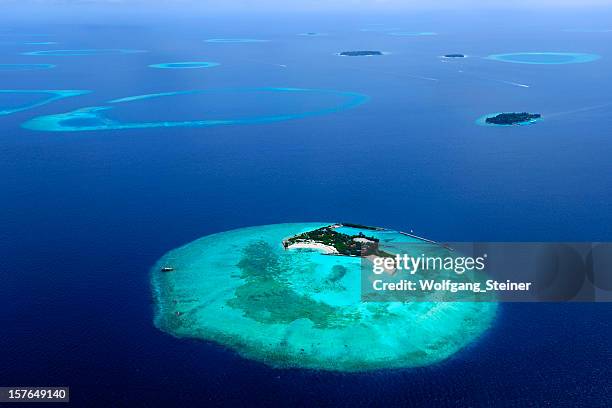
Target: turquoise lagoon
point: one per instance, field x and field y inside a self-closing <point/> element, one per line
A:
<point x="545" y="58"/>
<point x="13" y="101"/>
<point x="89" y="51"/>
<point x="25" y="67"/>
<point x="201" y="108"/>
<point x="302" y="308"/>
<point x="185" y="65"/>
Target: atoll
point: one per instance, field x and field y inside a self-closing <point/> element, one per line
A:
<point x="545" y="58"/>
<point x="184" y="65"/>
<point x="25" y="67"/>
<point x="81" y="52"/>
<point x="300" y="306"/>
<point x="284" y="104"/>
<point x="21" y="100"/>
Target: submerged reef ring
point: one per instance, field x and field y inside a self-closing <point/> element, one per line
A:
<point x="227" y="107"/>
<point x="25" y="67"/>
<point x="482" y="121"/>
<point x="295" y="306"/>
<point x="185" y="65"/>
<point x="41" y="43"/>
<point x="234" y="40"/>
<point x="92" y="51"/>
<point x="545" y="58"/>
<point x="12" y="101"/>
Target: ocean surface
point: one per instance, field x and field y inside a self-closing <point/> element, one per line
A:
<point x="85" y="214"/>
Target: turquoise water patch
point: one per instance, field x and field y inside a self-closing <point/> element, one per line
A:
<point x="185" y="65"/>
<point x="482" y="121"/>
<point x="25" y="67"/>
<point x="301" y="308"/>
<point x="234" y="40"/>
<point x="545" y="58"/>
<point x="71" y="53"/>
<point x="390" y="241"/>
<point x="413" y="34"/>
<point x="385" y="236"/>
<point x="201" y="108"/>
<point x="12" y="101"/>
<point x="42" y="43"/>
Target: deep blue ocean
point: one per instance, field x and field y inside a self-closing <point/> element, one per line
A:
<point x="84" y="215"/>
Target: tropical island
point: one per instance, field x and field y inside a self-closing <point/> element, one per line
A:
<point x="360" y="53"/>
<point x="506" y="119"/>
<point x="246" y="290"/>
<point x="331" y="241"/>
<point x="454" y="56"/>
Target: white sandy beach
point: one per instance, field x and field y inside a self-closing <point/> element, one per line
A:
<point x="313" y="245"/>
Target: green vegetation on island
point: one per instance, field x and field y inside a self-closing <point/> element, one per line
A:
<point x="360" y="53"/>
<point x="344" y="244"/>
<point x="454" y="56"/>
<point x="513" y="118"/>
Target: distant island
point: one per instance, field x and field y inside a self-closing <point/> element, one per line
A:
<point x="333" y="242"/>
<point x="360" y="53"/>
<point x="312" y="34"/>
<point x="454" y="56"/>
<point x="513" y="118"/>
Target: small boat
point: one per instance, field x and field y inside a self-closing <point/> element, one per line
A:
<point x="167" y="269"/>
